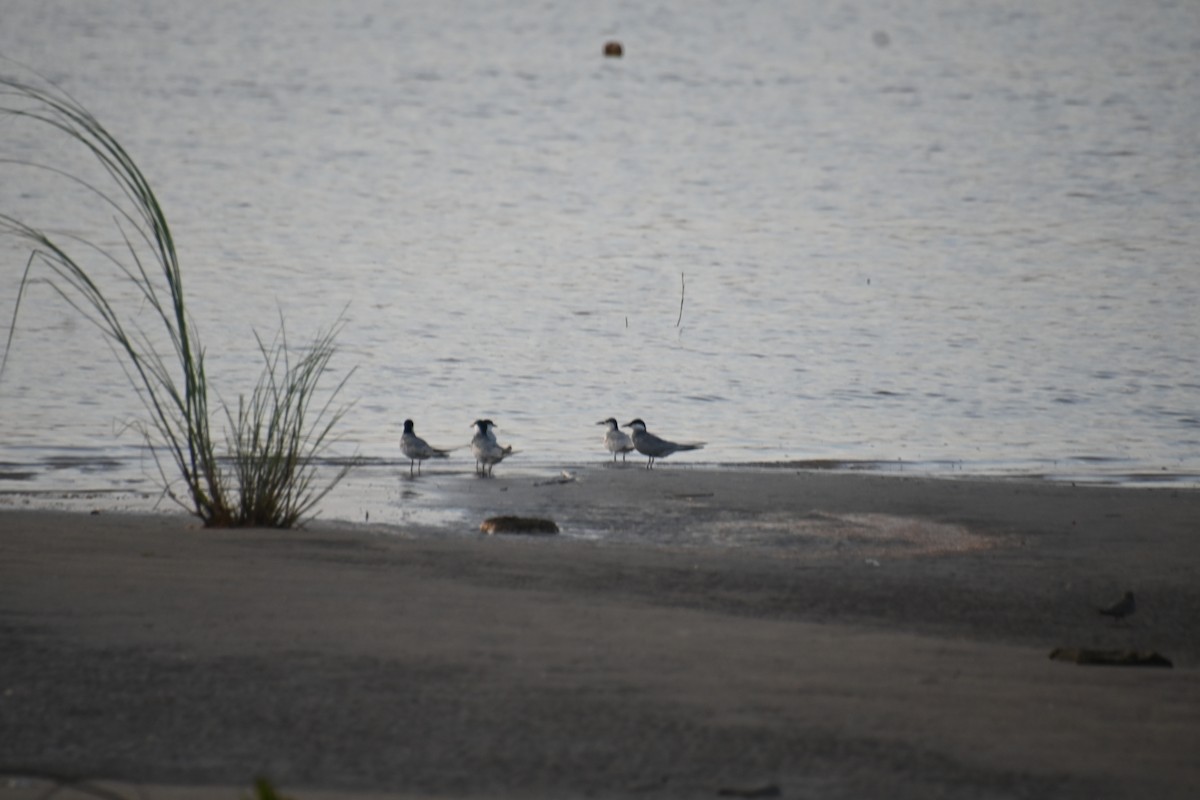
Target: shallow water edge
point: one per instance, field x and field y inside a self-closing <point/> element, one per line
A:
<point x="383" y="495"/>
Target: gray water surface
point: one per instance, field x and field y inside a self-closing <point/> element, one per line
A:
<point x="962" y="236"/>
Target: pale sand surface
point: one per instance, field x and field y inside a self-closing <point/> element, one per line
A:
<point x="832" y="635"/>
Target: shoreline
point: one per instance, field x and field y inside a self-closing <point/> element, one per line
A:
<point x="357" y="499"/>
<point x="828" y="634"/>
<point x="141" y="494"/>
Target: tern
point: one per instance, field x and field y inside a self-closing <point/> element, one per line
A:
<point x="650" y="445"/>
<point x="1122" y="608"/>
<point x="417" y="449"/>
<point x="615" y="439"/>
<point x="488" y="452"/>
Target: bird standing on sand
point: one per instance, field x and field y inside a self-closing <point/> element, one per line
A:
<point x="488" y="452"/>
<point x="417" y="449"/>
<point x="1122" y="608"/>
<point x="615" y="439"/>
<point x="652" y="446"/>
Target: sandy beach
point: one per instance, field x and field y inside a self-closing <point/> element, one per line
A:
<point x="789" y="633"/>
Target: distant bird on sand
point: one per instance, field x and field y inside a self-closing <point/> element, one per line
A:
<point x="652" y="446"/>
<point x="417" y="449"/>
<point x="1122" y="608"/>
<point x="615" y="439"/>
<point x="488" y="452"/>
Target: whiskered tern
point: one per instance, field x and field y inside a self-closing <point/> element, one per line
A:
<point x="488" y="452"/>
<point x="615" y="439"/>
<point x="653" y="446"/>
<point x="417" y="449"/>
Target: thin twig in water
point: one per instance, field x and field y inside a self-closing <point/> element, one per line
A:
<point x="682" y="290"/>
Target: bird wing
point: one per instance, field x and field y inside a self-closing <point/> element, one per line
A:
<point x="655" y="445"/>
<point x="414" y="446"/>
<point x="618" y="441"/>
<point x="489" y="449"/>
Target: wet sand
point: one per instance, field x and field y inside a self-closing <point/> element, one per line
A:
<point x="815" y="634"/>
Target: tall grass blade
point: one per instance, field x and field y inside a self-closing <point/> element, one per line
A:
<point x="276" y="441"/>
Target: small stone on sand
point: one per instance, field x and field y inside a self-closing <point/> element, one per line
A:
<point x="512" y="524"/>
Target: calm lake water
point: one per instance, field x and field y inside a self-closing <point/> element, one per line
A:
<point x="958" y="237"/>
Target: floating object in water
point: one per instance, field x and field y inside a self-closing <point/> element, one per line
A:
<point x="613" y="49"/>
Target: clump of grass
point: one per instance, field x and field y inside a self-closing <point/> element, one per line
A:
<point x="272" y="440"/>
<point x="276" y="437"/>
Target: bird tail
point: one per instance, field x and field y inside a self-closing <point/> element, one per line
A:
<point x="694" y="446"/>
